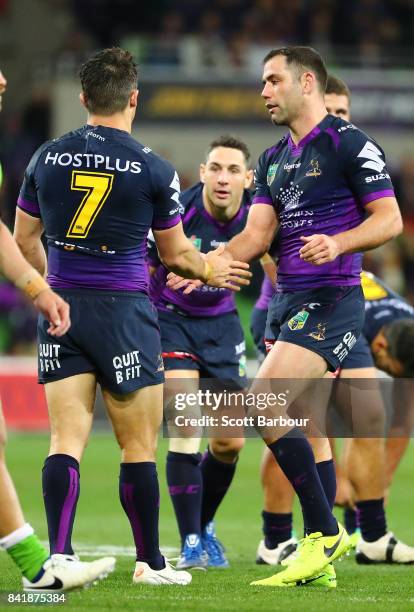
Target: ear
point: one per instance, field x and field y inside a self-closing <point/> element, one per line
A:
<point x="83" y="100"/>
<point x="202" y="172"/>
<point x="249" y="179"/>
<point x="379" y="343"/>
<point x="308" y="82"/>
<point x="133" y="98"/>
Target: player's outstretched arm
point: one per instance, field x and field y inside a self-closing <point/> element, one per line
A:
<point x="251" y="243"/>
<point x="17" y="270"/>
<point x="180" y="256"/>
<point x="255" y="240"/>
<point x="382" y="224"/>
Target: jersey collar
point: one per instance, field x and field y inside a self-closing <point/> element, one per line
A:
<point x="296" y="149"/>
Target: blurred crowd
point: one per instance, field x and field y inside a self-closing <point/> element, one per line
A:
<point x="237" y="33"/>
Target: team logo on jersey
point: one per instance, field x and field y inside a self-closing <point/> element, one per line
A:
<point x="374" y="156"/>
<point x="271" y="173"/>
<point x="315" y="170"/>
<point x="196" y="242"/>
<point x="298" y="321"/>
<point x="319" y="333"/>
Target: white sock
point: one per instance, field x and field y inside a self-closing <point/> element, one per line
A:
<point x="16" y="536"/>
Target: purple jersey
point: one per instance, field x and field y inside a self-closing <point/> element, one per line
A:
<point x="207" y="234"/>
<point x="320" y="186"/>
<point x="266" y="293"/>
<point x="99" y="192"/>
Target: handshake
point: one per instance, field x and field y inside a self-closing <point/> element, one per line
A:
<point x="219" y="271"/>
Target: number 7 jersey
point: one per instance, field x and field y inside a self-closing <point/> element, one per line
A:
<point x="98" y="193"/>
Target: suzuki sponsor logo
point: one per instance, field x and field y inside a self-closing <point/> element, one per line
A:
<point x="374" y="156"/>
<point x="377" y="177"/>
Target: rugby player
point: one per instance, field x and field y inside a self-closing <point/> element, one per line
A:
<point x="312" y="184"/>
<point x="278" y="542"/>
<point x="201" y="336"/>
<point x="360" y="481"/>
<point x="338" y="103"/>
<point x="17" y="537"/>
<point x="96" y="192"/>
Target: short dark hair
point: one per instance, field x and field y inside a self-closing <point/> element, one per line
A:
<point x="107" y="79"/>
<point x="230" y="142"/>
<point x="303" y="58"/>
<point x="335" y="85"/>
<point x="400" y="337"/>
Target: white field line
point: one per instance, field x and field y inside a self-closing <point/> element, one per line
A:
<point x="91" y="550"/>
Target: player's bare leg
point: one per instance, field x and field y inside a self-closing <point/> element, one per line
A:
<point x="364" y="457"/>
<point x="401" y="429"/>
<point x="136" y="418"/>
<point x="16" y="536"/>
<point x="394" y="452"/>
<point x="70" y="404"/>
<point x="19" y="540"/>
<point x="366" y="470"/>
<point x="11" y="514"/>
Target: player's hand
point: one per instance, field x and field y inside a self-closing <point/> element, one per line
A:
<point x="226" y="273"/>
<point x="55" y="310"/>
<point x="345" y="494"/>
<point x="319" y="249"/>
<point x="175" y="282"/>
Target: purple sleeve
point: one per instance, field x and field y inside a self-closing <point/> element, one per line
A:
<point x="29" y="207"/>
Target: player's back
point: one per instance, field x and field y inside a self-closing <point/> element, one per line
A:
<point x="98" y="192"/>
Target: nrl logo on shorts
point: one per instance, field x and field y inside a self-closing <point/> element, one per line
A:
<point x="271" y="173"/>
<point x="298" y="321"/>
<point x="196" y="242"/>
<point x="315" y="171"/>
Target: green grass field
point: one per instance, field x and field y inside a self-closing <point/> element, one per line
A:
<point x="101" y="522"/>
